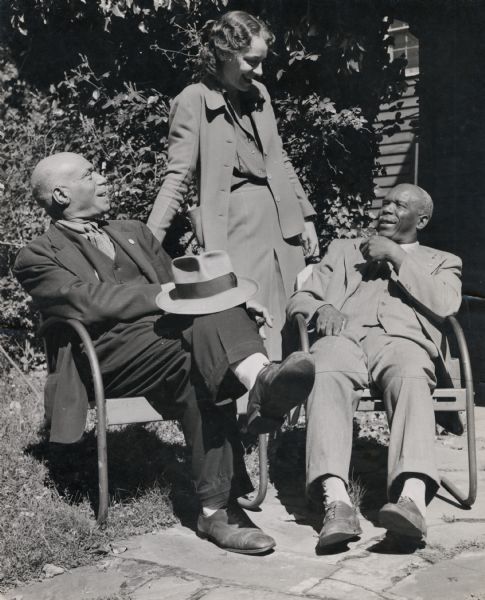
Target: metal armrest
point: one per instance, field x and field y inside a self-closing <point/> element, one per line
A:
<point x="85" y="338"/>
<point x="301" y="324"/>
<point x="467" y="380"/>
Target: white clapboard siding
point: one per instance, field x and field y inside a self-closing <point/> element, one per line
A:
<point x="397" y="149"/>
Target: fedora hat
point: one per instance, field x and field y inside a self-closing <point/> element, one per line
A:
<point x="203" y="284"/>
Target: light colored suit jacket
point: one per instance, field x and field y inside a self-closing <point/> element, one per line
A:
<point x="429" y="279"/>
<point x="202" y="142"/>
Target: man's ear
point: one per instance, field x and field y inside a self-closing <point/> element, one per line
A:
<point x="61" y="197"/>
<point x="423" y="220"/>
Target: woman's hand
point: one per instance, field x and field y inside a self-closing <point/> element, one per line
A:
<point x="309" y="240"/>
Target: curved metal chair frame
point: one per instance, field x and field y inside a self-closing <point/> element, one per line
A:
<point x="468" y="498"/>
<point x="102" y="421"/>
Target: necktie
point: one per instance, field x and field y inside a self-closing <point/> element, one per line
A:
<point x="378" y="269"/>
<point x="93" y="233"/>
<point x="99" y="238"/>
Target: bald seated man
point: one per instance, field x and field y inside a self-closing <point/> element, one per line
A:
<point x="375" y="305"/>
<point x="107" y="274"/>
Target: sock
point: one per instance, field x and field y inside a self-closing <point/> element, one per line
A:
<point x="247" y="369"/>
<point x="334" y="489"/>
<point x="415" y="489"/>
<point x="208" y="512"/>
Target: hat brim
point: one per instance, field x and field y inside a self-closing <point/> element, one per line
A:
<point x="168" y="300"/>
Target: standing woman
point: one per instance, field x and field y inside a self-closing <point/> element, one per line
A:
<point x="251" y="204"/>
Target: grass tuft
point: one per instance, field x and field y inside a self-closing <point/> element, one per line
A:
<point x="48" y="492"/>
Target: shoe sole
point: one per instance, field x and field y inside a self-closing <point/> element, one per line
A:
<point x="204" y="536"/>
<point x="337" y="538"/>
<point x="398" y="524"/>
<point x="291" y="388"/>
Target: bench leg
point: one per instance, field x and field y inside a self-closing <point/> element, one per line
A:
<point x="102" y="453"/>
<point x="469" y="498"/>
<point x="102" y="474"/>
<point x="466" y="500"/>
<point x="255" y="502"/>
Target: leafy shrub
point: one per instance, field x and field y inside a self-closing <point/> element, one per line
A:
<point x="97" y="78"/>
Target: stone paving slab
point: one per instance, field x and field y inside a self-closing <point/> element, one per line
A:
<point x="460" y="578"/>
<point x="83" y="583"/>
<point x="168" y="588"/>
<point x="338" y="590"/>
<point x="182" y="549"/>
<point x="226" y="592"/>
<point x="176" y="565"/>
<point x="383" y="568"/>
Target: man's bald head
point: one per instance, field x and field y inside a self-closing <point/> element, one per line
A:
<point x="414" y="193"/>
<point x="49" y="173"/>
<point x="66" y="185"/>
<point x="405" y="210"/>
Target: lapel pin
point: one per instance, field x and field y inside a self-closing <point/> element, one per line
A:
<point x="131" y="241"/>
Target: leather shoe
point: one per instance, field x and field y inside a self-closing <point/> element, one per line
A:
<point x="234" y="531"/>
<point x="278" y="389"/>
<point x="340" y="524"/>
<point x="403" y="518"/>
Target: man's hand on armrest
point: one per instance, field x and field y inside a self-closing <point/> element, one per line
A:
<point x="329" y="321"/>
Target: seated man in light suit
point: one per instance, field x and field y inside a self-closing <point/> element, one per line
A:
<point x="191" y="363"/>
<point x="376" y="305"/>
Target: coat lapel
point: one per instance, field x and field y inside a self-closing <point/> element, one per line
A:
<point x="215" y="101"/>
<point x="354" y="263"/>
<point x="125" y="236"/>
<point x="260" y="118"/>
<point x="70" y="256"/>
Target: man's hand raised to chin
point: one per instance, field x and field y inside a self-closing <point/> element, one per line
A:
<point x="378" y="248"/>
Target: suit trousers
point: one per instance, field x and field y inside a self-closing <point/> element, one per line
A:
<point x="404" y="373"/>
<point x="181" y="364"/>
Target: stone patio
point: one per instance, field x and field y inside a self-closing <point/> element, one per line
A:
<point x="176" y="565"/>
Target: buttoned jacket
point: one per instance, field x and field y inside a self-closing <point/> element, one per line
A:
<point x="63" y="282"/>
<point x="202" y="142"/>
<point x="429" y="280"/>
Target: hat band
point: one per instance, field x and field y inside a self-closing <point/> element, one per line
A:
<point x="205" y="289"/>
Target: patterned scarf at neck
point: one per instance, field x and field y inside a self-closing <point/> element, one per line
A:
<point x="92" y="232"/>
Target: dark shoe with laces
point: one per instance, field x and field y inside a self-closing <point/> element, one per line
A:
<point x="340" y="524"/>
<point x="403" y="518"/>
<point x="278" y="389"/>
<point x="232" y="530"/>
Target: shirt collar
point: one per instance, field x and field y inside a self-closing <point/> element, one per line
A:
<point x="409" y="247"/>
<point x="81" y="226"/>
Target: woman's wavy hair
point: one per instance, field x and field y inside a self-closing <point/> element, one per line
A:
<point x="230" y="34"/>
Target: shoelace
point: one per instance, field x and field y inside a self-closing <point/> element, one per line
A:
<point x="330" y="512"/>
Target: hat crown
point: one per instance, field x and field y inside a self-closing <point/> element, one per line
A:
<point x="202" y="267"/>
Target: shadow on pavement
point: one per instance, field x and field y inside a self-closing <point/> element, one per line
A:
<point x="287" y="473"/>
<point x="138" y="461"/>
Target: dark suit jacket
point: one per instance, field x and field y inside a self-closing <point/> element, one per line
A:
<point x="64" y="283"/>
